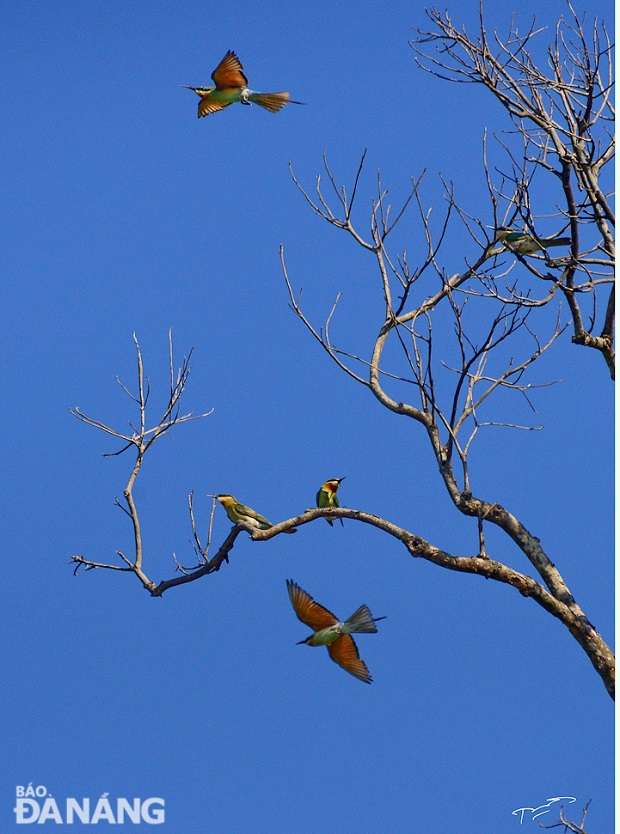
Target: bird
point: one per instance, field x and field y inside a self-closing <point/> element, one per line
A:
<point x="330" y="632"/>
<point x="526" y="244"/>
<point x="327" y="497"/>
<point x="240" y="514"/>
<point x="231" y="86"/>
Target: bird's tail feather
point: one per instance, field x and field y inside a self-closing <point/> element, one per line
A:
<point x="558" y="241"/>
<point x="272" y="101"/>
<point x="362" y="621"/>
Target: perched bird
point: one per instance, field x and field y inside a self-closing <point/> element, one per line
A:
<point x="240" y="514"/>
<point x="328" y="631"/>
<point x="327" y="497"/>
<point x="231" y="86"/>
<point x="526" y="244"/>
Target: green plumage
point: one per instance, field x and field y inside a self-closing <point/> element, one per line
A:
<point x="236" y="512"/>
<point x="239" y="513"/>
<point x="231" y="86"/>
<point x="327" y="496"/>
<point x="526" y="244"/>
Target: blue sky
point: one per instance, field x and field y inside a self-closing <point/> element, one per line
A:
<point x="123" y="212"/>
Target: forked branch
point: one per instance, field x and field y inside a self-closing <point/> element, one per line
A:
<point x="141" y="439"/>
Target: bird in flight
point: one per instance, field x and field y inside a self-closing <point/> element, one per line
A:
<point x="239" y="513"/>
<point x="526" y="244"/>
<point x="327" y="497"/>
<point x="328" y="631"/>
<point x="231" y="86"/>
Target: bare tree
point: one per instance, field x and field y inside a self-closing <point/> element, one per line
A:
<point x="497" y="321"/>
<point x="500" y="328"/>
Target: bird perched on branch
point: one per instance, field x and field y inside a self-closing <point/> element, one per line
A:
<point x="526" y="244"/>
<point x="330" y="632"/>
<point x="327" y="497"/>
<point x="240" y="514"/>
<point x="231" y="86"/>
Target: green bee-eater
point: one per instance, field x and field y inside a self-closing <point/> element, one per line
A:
<point x="526" y="244"/>
<point x="231" y="86"/>
<point x="240" y="514"/>
<point x="327" y="497"/>
<point x="330" y="632"/>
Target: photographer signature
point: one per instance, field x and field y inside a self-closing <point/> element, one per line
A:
<point x="541" y="809"/>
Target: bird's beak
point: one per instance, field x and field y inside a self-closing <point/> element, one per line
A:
<point x="187" y="88"/>
<point x="340" y="480"/>
<point x="301" y="642"/>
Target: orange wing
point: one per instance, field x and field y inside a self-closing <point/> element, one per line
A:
<point x="228" y="72"/>
<point x="309" y="611"/>
<point x="344" y="652"/>
<point x="206" y="107"/>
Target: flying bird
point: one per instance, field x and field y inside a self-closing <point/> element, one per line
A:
<point x="239" y="513"/>
<point x="231" y="86"/>
<point x="526" y="244"/>
<point x="327" y="497"/>
<point x="330" y="632"/>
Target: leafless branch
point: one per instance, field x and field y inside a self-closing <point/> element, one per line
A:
<point x="141" y="440"/>
<point x="555" y="598"/>
<point x="560" y="114"/>
<point x="576" y="828"/>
